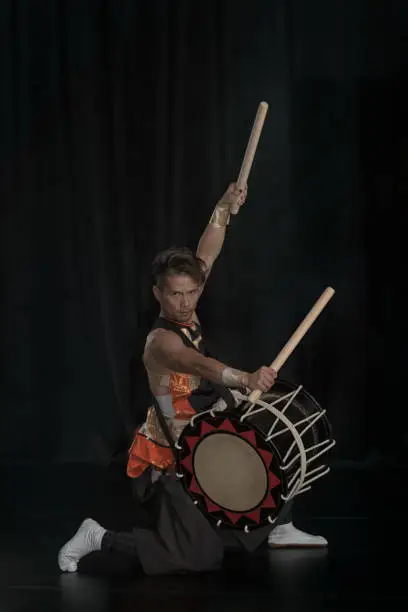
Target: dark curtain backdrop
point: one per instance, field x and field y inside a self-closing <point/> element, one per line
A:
<point x="121" y="124"/>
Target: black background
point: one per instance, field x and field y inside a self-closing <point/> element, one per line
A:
<point x="122" y="123"/>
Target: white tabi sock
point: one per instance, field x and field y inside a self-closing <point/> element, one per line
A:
<point x="87" y="539"/>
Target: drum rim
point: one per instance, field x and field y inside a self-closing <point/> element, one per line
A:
<point x="234" y="415"/>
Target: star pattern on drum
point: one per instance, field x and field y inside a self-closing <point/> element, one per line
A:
<point x="248" y="435"/>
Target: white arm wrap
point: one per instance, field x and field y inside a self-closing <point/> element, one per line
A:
<point x="232" y="378"/>
<point x="166" y="405"/>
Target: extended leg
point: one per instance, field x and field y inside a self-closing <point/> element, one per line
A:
<point x="182" y="541"/>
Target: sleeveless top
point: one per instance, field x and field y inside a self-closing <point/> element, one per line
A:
<point x="190" y="394"/>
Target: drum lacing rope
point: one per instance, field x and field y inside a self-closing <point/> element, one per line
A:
<point x="312" y="419"/>
<point x="290" y="395"/>
<point x="327" y="444"/>
<point x="308" y="480"/>
<point x="316" y="416"/>
<point x="297" y="440"/>
<point x="212" y="412"/>
<point x="298" y="485"/>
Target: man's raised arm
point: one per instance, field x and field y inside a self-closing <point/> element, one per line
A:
<point x="212" y="239"/>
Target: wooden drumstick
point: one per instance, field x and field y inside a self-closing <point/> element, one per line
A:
<point x="297" y="336"/>
<point x="250" y="150"/>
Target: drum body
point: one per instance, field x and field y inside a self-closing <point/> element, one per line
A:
<point x="242" y="466"/>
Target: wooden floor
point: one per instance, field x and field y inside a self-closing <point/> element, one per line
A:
<point x="42" y="507"/>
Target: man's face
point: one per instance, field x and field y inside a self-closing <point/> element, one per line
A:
<point x="179" y="297"/>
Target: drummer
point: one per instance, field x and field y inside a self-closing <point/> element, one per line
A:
<point x="184" y="379"/>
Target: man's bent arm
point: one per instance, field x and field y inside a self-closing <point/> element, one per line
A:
<point x="168" y="351"/>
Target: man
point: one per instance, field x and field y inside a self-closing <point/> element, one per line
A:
<point x="184" y="379"/>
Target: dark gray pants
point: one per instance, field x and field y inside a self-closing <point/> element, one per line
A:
<point x="180" y="539"/>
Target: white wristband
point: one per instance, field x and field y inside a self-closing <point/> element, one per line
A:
<point x="232" y="378"/>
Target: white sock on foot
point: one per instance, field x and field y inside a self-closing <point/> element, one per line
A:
<point x="288" y="535"/>
<point x="87" y="539"/>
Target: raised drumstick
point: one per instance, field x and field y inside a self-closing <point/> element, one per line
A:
<point x="297" y="336"/>
<point x="250" y="150"/>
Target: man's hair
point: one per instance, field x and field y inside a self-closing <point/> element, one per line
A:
<point x="177" y="260"/>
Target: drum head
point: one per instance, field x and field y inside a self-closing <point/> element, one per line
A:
<point x="230" y="472"/>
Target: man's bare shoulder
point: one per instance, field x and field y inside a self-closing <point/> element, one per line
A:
<point x="160" y="337"/>
<point x="159" y="342"/>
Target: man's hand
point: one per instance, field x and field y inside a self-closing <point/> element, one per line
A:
<point x="263" y="379"/>
<point x="233" y="196"/>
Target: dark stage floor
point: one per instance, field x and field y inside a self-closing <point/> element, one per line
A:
<point x="356" y="510"/>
